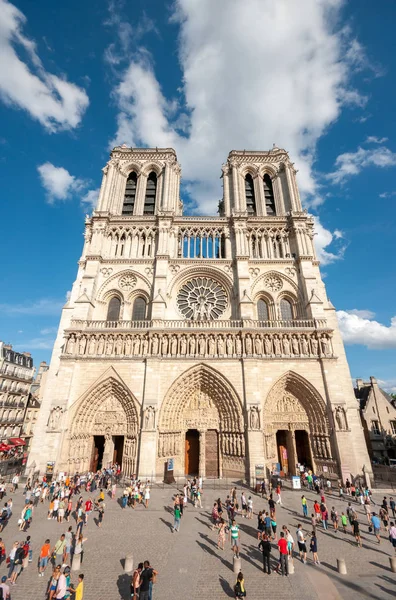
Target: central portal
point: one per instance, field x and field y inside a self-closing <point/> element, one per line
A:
<point x="192" y="452"/>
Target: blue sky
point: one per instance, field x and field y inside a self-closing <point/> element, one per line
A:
<point x="318" y="79"/>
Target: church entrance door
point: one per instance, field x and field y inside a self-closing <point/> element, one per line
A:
<point x="118" y="449"/>
<point x="211" y="453"/>
<point x="97" y="459"/>
<point x="192" y="452"/>
<point x="281" y="442"/>
<point x="303" y="448"/>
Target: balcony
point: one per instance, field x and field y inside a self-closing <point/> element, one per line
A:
<point x="82" y="325"/>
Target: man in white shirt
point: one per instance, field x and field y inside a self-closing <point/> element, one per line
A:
<point x="15" y="481"/>
<point x="62" y="588"/>
<point x="392" y="535"/>
<point x="5" y="588"/>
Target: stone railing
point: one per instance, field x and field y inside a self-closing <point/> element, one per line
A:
<point x="82" y="325"/>
<point x="246" y="343"/>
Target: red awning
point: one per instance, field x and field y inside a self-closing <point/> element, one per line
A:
<point x="4" y="447"/>
<point x="17" y="441"/>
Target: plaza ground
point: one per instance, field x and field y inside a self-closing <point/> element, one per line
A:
<point x="188" y="562"/>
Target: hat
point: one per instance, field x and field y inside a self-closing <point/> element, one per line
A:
<point x="4" y="578"/>
<point x="66" y="570"/>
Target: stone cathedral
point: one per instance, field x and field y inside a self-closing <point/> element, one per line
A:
<point x="206" y="340"/>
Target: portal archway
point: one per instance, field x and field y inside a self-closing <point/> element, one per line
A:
<point x="202" y="399"/>
<point x="104" y="428"/>
<point x="296" y="426"/>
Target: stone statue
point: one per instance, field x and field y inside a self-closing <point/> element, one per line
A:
<point x="145" y="346"/>
<point x="238" y="346"/>
<point x="230" y="346"/>
<point x="202" y="346"/>
<point x="70" y="345"/>
<point x="248" y="344"/>
<point x="277" y="346"/>
<point x="286" y="345"/>
<point x="155" y="345"/>
<point x="212" y="346"/>
<point x="258" y="345"/>
<point x="149" y="418"/>
<point x="82" y="345"/>
<point x="268" y="345"/>
<point x="136" y="345"/>
<point x="220" y="345"/>
<point x="101" y="344"/>
<point x="304" y="346"/>
<point x="314" y="345"/>
<point x="174" y="345"/>
<point x="118" y="346"/>
<point x="325" y="345"/>
<point x="192" y="345"/>
<point x="54" y="418"/>
<point x="183" y="345"/>
<point x="109" y="345"/>
<point x="254" y="418"/>
<point x="91" y="345"/>
<point x="296" y="349"/>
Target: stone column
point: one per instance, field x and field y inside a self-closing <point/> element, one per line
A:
<point x="202" y="456"/>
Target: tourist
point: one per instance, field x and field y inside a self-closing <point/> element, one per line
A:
<point x="273" y="528"/>
<point x="5" y="588"/>
<point x="243" y="505"/>
<point x="11" y="557"/>
<point x="325" y="515"/>
<point x="348" y="487"/>
<point x="313" y="522"/>
<point x="278" y="493"/>
<point x="265" y="547"/>
<point x="376" y="525"/>
<point x="28" y="544"/>
<point x="135" y="583"/>
<point x="101" y="511"/>
<point x="198" y="498"/>
<point x="282" y="546"/>
<point x="334" y="518"/>
<point x="45" y="555"/>
<point x="301" y="542"/>
<point x="69" y="544"/>
<point x="79" y="590"/>
<point x="146" y="577"/>
<point x="80" y="525"/>
<point x="267" y="521"/>
<point x="250" y="508"/>
<point x="313" y="547"/>
<point x="17" y="563"/>
<point x="147" y="496"/>
<point x="221" y="535"/>
<point x="383" y="514"/>
<point x="234" y="537"/>
<point x="61" y="589"/>
<point x="176" y="517"/>
<point x="344" y="522"/>
<point x="271" y="505"/>
<point x="88" y="509"/>
<point x="317" y="512"/>
<point x="15" y="482"/>
<point x="2" y="551"/>
<point x="356" y="532"/>
<point x="392" y="535"/>
<point x="304" y="506"/>
<point x="239" y="587"/>
<point x="59" y="550"/>
<point x="392" y="506"/>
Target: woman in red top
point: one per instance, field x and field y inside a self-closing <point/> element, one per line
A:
<point x="88" y="509"/>
<point x="282" y="545"/>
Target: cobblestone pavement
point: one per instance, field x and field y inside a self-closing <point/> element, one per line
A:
<point x="188" y="562"/>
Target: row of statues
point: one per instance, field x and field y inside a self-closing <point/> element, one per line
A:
<point x="201" y="345"/>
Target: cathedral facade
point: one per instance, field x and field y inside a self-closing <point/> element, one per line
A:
<point x="206" y="340"/>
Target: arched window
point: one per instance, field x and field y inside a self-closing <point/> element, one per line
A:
<point x="130" y="194"/>
<point x="269" y="196"/>
<point x="151" y="190"/>
<point x="262" y="310"/>
<point x="113" y="311"/>
<point x="286" y="310"/>
<point x="250" y="197"/>
<point x="139" y="309"/>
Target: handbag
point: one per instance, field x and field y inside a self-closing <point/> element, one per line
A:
<point x="370" y="529"/>
<point x="8" y="560"/>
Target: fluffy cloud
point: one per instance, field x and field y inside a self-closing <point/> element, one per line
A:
<point x="389" y="385"/>
<point x="61" y="185"/>
<point x="373" y="139"/>
<point x="56" y="103"/>
<point x="324" y="240"/>
<point x="352" y="163"/>
<point x="359" y="327"/>
<point x="253" y="73"/>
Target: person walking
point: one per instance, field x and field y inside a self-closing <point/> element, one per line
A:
<point x="234" y="537"/>
<point x="101" y="511"/>
<point x="176" y="518"/>
<point x="376" y="524"/>
<point x="313" y="547"/>
<point x="78" y="547"/>
<point x="221" y="535"/>
<point x="135" y="583"/>
<point x="265" y="547"/>
<point x="304" y="506"/>
<point x="11" y="557"/>
<point x="45" y="555"/>
<point x="54" y="582"/>
<point x="392" y="535"/>
<point x="344" y="522"/>
<point x="79" y="590"/>
<point x="301" y="542"/>
<point x="147" y="496"/>
<point x="282" y="546"/>
<point x="392" y="506"/>
<point x="146" y="577"/>
<point x="278" y="493"/>
<point x="334" y="518"/>
<point x="5" y="588"/>
<point x="356" y="532"/>
<point x="239" y="587"/>
<point x="250" y="508"/>
<point x="59" y="550"/>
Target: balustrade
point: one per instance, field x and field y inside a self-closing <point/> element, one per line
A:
<point x="268" y="243"/>
<point x="201" y="242"/>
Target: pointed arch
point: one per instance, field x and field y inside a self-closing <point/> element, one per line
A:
<point x="205" y="379"/>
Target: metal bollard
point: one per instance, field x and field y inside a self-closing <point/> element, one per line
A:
<point x="392" y="562"/>
<point x="76" y="562"/>
<point x="128" y="565"/>
<point x="237" y="565"/>
<point x="290" y="565"/>
<point x="341" y="566"/>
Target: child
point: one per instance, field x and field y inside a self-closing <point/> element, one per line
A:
<point x="313" y="547"/>
<point x="344" y="522"/>
<point x="239" y="587"/>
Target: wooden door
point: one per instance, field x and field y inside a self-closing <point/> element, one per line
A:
<point x="192" y="452"/>
<point x="211" y="453"/>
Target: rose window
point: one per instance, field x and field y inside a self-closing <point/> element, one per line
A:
<point x="273" y="283"/>
<point x="127" y="281"/>
<point x="202" y="299"/>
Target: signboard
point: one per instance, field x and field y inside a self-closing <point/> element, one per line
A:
<point x="325" y="468"/>
<point x="259" y="471"/>
<point x="170" y="464"/>
<point x="296" y="483"/>
<point x="50" y="468"/>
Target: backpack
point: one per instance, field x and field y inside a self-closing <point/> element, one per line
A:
<point x="25" y="549"/>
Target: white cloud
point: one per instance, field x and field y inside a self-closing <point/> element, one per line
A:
<point x="280" y="76"/>
<point x="324" y="239"/>
<point x="364" y="314"/>
<point x="44" y="306"/>
<point x="352" y="163"/>
<point x="373" y="139"/>
<point x="389" y="385"/>
<point x="56" y="103"/>
<point x="387" y="194"/>
<point x="358" y="329"/>
<point x="58" y="183"/>
<point x="90" y="198"/>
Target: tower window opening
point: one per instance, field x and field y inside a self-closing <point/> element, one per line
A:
<point x="130" y="194"/>
<point x="250" y="196"/>
<point x="269" y="196"/>
<point x="151" y="190"/>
